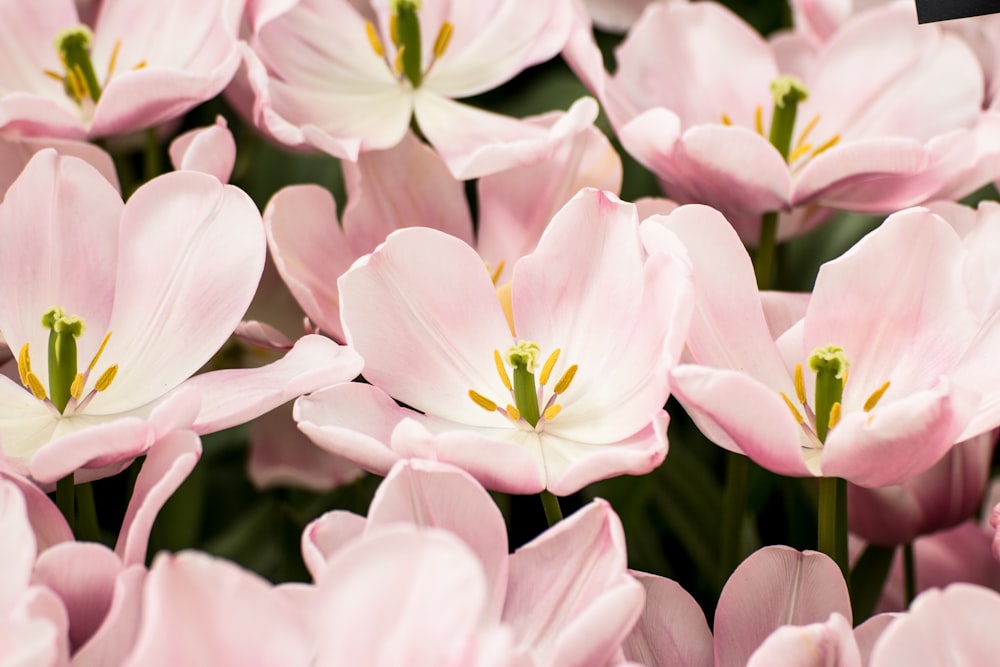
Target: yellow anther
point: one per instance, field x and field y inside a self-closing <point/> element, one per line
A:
<point x="800" y="385"/>
<point x="547" y="367"/>
<point x="35" y="386"/>
<point x="76" y="389"/>
<point x="513" y="412"/>
<point x="830" y="143"/>
<point x="834" y="415"/>
<point x="139" y="65"/>
<point x="24" y="364"/>
<point x="758" y="120"/>
<point x="100" y="351"/>
<point x="794" y="410"/>
<point x="799" y="151"/>
<point x="107" y="377"/>
<point x="394" y="29"/>
<point x="373" y="39"/>
<point x="564" y="381"/>
<point x="53" y="75"/>
<point x="443" y="39"/>
<point x="113" y="60"/>
<point x="726" y="120"/>
<point x="806" y="130"/>
<point x="482" y="401"/>
<point x="501" y="369"/>
<point x="397" y="63"/>
<point x="504" y="296"/>
<point x="74" y="77"/>
<point x="495" y="276"/>
<point x="552" y="411"/>
<point x="876" y="397"/>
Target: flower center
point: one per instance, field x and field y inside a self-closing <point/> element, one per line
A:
<point x="66" y="385"/>
<point x="79" y="79"/>
<point x="831" y="366"/>
<point x="787" y="92"/>
<point x="530" y="407"/>
<point x="404" y="30"/>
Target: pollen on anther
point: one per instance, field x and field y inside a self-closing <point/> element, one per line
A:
<point x="552" y="411"/>
<point x="794" y="410"/>
<point x="876" y="397"/>
<point x="834" y="415"/>
<point x="107" y="377"/>
<point x="100" y="351"/>
<point x="800" y="385"/>
<point x="501" y="370"/>
<point x="113" y="59"/>
<point x="443" y="39"/>
<point x="548" y="366"/>
<point x="35" y="386"/>
<point x="726" y="120"/>
<point x="564" y="381"/>
<point x="397" y="63"/>
<point x="76" y="389"/>
<point x="830" y="143"/>
<point x="495" y="276"/>
<point x="482" y="401"/>
<point x="758" y="120"/>
<point x="806" y="130"/>
<point x="799" y="151"/>
<point x="513" y="412"/>
<point x="24" y="364"/>
<point x="373" y="39"/>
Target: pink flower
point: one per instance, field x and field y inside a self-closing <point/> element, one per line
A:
<point x="893" y="333"/>
<point x="596" y="319"/>
<point x="137" y="66"/>
<point x="136" y="298"/>
<point x="346" y="77"/>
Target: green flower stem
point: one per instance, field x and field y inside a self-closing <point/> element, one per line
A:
<point x="763" y="264"/>
<point x="832" y="533"/>
<point x="553" y="513"/>
<point x="87" y="514"/>
<point x="152" y="161"/>
<point x="735" y="500"/>
<point x="909" y="574"/>
<point x="65" y="500"/>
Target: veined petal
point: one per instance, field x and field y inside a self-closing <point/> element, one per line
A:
<point x="210" y="149"/>
<point x="672" y="629"/>
<point x="16" y="153"/>
<point x="18" y="558"/>
<point x="826" y="644"/>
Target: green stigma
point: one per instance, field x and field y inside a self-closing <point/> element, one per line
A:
<point x="523" y="357"/>
<point x="63" y="331"/>
<point x="406" y="35"/>
<point x="831" y="366"/>
<point x="80" y="80"/>
<point x="787" y="92"/>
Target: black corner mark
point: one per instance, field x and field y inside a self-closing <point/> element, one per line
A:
<point x="929" y="11"/>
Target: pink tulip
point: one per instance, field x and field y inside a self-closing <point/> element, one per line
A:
<point x="163" y="282"/>
<point x="211" y="150"/>
<point x="137" y="66"/>
<point x="334" y="76"/>
<point x="596" y="318"/>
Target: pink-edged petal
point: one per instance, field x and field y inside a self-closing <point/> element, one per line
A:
<point x="571" y="465"/>
<point x="95" y="442"/>
<point x="515" y="206"/>
<point x="60" y="225"/>
<point x="783" y="309"/>
<point x="827" y="644"/>
<point x="83" y="575"/>
<point x="971" y="371"/>
<point x="326" y="535"/>
<point x="672" y="629"/>
<point x="235" y="396"/>
<point x="168" y="463"/>
<point x="262" y="335"/>
<point x="210" y="149"/>
<point x="352" y="420"/>
<point x="18" y="557"/>
<point x="200" y="610"/>
<point x="422" y="349"/>
<point x="570" y="597"/>
<point x="740" y="414"/>
<point x="281" y="455"/>
<point x="435" y="495"/>
<point x="35" y="631"/>
<point x="953" y="626"/>
<point x="476" y="143"/>
<point x="113" y="640"/>
<point x="400" y="596"/>
<point x="970" y="157"/>
<point x="16" y="153"/>
<point x="775" y="586"/>
<point x="204" y="243"/>
<point x="867" y="634"/>
<point x="47" y="522"/>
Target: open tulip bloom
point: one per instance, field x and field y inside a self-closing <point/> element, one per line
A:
<point x="565" y="388"/>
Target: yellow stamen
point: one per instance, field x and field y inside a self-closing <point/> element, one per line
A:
<point x="443" y="39"/>
<point x="564" y="381"/>
<point x="501" y="369"/>
<point x="35" y="386"/>
<point x="140" y="65"/>
<point x="548" y="366"/>
<point x="24" y="364"/>
<point x="726" y="120"/>
<point x="552" y="411"/>
<point x="504" y="296"/>
<point x="806" y="130"/>
<point x="77" y="83"/>
<point x="876" y="397"/>
<point x="76" y="389"/>
<point x="495" y="276"/>
<point x="373" y="39"/>
<point x="394" y="29"/>
<point x="53" y="75"/>
<point x="794" y="410"/>
<point x="829" y="144"/>
<point x="799" y="151"/>
<point x="113" y="60"/>
<point x="758" y="120"/>
<point x="100" y="351"/>
<point x="513" y="412"/>
<point x="107" y="377"/>
<point x="398" y="62"/>
<point x="800" y="385"/>
<point x="834" y="415"/>
<point x="482" y="401"/>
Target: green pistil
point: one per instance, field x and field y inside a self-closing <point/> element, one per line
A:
<point x="830" y="364"/>
<point x="80" y="81"/>
<point x="63" y="331"/>
<point x="523" y="358"/>
<point x="408" y="39"/>
<point x="787" y="92"/>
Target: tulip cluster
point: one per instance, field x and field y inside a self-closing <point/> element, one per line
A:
<point x="522" y="333"/>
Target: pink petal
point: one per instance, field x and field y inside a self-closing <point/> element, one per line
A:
<point x="210" y="149"/>
<point x="114" y="639"/>
<point x="775" y="586"/>
<point x="672" y="629"/>
<point x="47" y="522"/>
<point x="829" y="644"/>
<point x="16" y="153"/>
<point x="18" y="557"/>
<point x="326" y="535"/>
